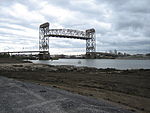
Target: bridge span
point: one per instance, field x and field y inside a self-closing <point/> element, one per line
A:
<point x="22" y="52"/>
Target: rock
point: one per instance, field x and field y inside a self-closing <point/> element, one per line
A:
<point x="16" y="65"/>
<point x="42" y="91"/>
<point x="52" y="69"/>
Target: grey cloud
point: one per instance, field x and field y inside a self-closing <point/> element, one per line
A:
<point x="147" y="33"/>
<point x="129" y="19"/>
<point x="130" y="44"/>
<point x="140" y="6"/>
<point x="127" y="24"/>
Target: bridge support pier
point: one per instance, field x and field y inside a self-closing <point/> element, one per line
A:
<point x="91" y="55"/>
<point x="44" y="55"/>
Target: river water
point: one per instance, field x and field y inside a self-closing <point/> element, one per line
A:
<point x="100" y="63"/>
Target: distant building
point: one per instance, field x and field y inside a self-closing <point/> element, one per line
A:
<point x="115" y="52"/>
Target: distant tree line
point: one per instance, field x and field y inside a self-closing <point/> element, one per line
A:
<point x="4" y="55"/>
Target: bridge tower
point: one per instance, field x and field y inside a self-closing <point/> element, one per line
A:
<point x="90" y="43"/>
<point x="44" y="42"/>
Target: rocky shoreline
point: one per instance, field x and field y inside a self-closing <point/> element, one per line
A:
<point x="50" y="68"/>
<point x="129" y="88"/>
<point x="14" y="67"/>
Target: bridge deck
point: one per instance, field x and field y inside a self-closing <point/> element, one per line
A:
<point x="23" y="51"/>
<point x="67" y="36"/>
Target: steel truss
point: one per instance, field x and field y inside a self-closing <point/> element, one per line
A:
<point x="43" y="39"/>
<point x="91" y="42"/>
<point x="45" y="33"/>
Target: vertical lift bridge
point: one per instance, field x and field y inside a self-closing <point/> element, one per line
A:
<point x="45" y="33"/>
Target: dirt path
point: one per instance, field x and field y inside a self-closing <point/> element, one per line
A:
<point x="24" y="97"/>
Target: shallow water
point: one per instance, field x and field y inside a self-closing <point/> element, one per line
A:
<point x="100" y="63"/>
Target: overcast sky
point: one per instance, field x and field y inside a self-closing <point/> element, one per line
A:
<point x="123" y="25"/>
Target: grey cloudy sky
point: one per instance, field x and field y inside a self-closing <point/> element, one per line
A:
<point x="120" y="24"/>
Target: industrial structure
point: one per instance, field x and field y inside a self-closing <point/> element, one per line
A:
<point x="45" y="33"/>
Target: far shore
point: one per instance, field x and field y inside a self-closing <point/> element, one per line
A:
<point x="127" y="88"/>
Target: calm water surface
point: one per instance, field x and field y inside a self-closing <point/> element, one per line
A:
<point x="100" y="63"/>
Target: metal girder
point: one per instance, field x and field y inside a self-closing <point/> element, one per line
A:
<point x="67" y="33"/>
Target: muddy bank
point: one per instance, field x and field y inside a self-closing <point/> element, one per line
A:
<point x="12" y="61"/>
<point x="130" y="88"/>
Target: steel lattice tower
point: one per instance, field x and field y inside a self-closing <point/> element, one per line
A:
<point x="43" y="39"/>
<point x="44" y="42"/>
<point x="90" y="43"/>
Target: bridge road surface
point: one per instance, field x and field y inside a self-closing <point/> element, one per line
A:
<point x="24" y="97"/>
